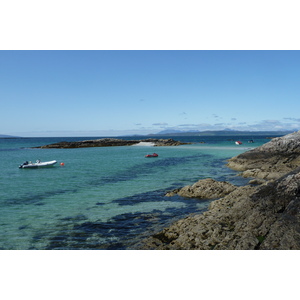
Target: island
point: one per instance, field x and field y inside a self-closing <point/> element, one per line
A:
<point x="110" y="142"/>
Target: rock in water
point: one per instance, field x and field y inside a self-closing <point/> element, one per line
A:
<point x="110" y="142"/>
<point x="206" y="189"/>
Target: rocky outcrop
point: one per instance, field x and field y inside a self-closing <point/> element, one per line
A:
<point x="205" y="189"/>
<point x="90" y="143"/>
<point x="163" y="142"/>
<point x="265" y="216"/>
<point x="109" y="142"/>
<point x="250" y="217"/>
<point x="271" y="160"/>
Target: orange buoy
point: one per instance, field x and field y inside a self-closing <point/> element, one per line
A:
<point x="62" y="164"/>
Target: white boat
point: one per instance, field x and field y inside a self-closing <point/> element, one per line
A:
<point x="37" y="164"/>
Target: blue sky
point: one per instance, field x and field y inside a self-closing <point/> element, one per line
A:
<point x="110" y="93"/>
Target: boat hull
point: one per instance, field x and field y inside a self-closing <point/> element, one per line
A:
<point x="151" y="155"/>
<point x="38" y="165"/>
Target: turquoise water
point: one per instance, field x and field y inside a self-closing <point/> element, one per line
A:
<point x="103" y="198"/>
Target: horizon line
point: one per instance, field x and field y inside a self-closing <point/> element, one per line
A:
<point x="145" y="134"/>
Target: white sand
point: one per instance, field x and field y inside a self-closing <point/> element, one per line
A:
<point x="147" y="144"/>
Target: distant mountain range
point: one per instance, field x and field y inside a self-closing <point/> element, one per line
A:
<point x="226" y="132"/>
<point x="3" y="136"/>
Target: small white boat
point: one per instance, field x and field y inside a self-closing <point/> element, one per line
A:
<point x="37" y="164"/>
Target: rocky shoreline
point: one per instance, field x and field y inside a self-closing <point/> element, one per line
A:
<point x="110" y="142"/>
<point x="265" y="214"/>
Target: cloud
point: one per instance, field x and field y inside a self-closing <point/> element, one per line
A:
<point x="194" y="126"/>
<point x="160" y="124"/>
<point x="292" y="119"/>
<point x="199" y="126"/>
<point x="264" y="125"/>
<point x="268" y="125"/>
<point x="188" y="125"/>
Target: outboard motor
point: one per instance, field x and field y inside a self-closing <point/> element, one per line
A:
<point x="23" y="164"/>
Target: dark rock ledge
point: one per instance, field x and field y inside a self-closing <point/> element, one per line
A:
<point x="271" y="160"/>
<point x="109" y="142"/>
<point x="205" y="189"/>
<point x="265" y="216"/>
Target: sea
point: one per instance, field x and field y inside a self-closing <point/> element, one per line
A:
<point x="105" y="198"/>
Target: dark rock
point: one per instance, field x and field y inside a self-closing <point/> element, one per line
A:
<point x="109" y="142"/>
<point x="164" y="142"/>
<point x="205" y="189"/>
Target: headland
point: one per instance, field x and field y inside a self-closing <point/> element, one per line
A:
<point x="264" y="214"/>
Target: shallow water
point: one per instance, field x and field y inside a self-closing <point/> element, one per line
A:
<point x="103" y="198"/>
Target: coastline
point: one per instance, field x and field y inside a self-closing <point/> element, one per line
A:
<point x="264" y="214"/>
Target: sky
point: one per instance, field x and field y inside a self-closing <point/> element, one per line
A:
<point x="111" y="93"/>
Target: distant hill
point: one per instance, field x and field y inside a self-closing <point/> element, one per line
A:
<point x="220" y="133"/>
<point x="170" y="131"/>
<point x="3" y="136"/>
